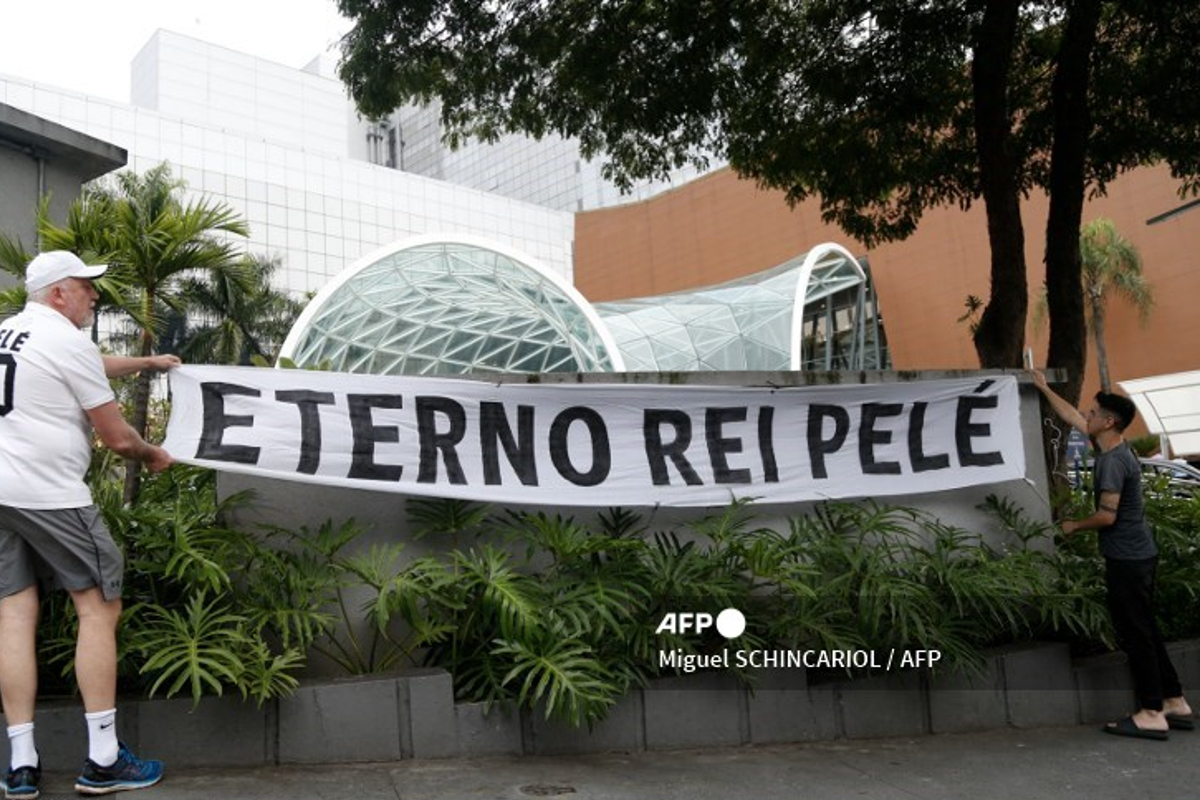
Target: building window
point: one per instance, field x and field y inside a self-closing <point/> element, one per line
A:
<point x="393" y="147"/>
<point x="375" y="143"/>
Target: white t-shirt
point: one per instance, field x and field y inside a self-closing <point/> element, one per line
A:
<point x="51" y="374"/>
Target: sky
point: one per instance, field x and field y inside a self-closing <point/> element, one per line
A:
<point x="87" y="45"/>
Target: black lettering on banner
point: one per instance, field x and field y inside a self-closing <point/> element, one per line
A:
<point x="8" y="364"/>
<point x="818" y="445"/>
<point x="766" y="443"/>
<point x="11" y="340"/>
<point x="965" y="431"/>
<point x="366" y="433"/>
<point x="916" y="440"/>
<point x="719" y="447"/>
<point x="657" y="452"/>
<point x="869" y="437"/>
<point x="601" y="449"/>
<point x="310" y="424"/>
<point x="216" y="422"/>
<point x="432" y="441"/>
<point x="494" y="429"/>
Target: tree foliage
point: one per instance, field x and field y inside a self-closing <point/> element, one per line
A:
<point x="877" y="109"/>
<point x="1112" y="267"/>
<point x="158" y="243"/>
<point x="234" y="314"/>
<point x="152" y="237"/>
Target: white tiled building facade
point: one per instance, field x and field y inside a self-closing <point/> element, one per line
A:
<point x="550" y="172"/>
<point x="284" y="148"/>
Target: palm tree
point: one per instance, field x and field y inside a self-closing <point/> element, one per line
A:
<point x="13" y="259"/>
<point x="153" y="239"/>
<point x="85" y="233"/>
<point x="242" y="317"/>
<point x="1112" y="267"/>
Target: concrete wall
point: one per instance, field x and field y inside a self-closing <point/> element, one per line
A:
<point x="39" y="157"/>
<point x="413" y="714"/>
<point x="21" y="188"/>
<point x="382" y="515"/>
<point x="18" y="197"/>
<point x="291" y="505"/>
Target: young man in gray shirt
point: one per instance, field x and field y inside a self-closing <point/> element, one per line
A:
<point x="1131" y="558"/>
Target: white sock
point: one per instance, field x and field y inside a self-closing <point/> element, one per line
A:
<point x="24" y="751"/>
<point x="102" y="737"/>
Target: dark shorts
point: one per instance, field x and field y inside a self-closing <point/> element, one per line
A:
<point x="72" y="546"/>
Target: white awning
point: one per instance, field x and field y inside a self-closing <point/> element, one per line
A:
<point x="1170" y="404"/>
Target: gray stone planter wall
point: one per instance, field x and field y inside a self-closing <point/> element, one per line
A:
<point x="413" y="715"/>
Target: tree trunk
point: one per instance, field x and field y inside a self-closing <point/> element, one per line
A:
<point x="1068" y="158"/>
<point x="1072" y="127"/>
<point x="1101" y="349"/>
<point x="1000" y="337"/>
<point x="140" y="417"/>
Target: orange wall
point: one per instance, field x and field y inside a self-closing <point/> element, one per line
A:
<point x="720" y="227"/>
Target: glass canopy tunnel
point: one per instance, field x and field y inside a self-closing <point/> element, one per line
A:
<point x="438" y="306"/>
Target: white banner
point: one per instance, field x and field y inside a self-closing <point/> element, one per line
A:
<point x="597" y="444"/>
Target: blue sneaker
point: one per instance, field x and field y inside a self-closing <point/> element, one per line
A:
<point x="22" y="783"/>
<point x="127" y="772"/>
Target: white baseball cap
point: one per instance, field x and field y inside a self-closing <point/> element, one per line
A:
<point x="56" y="265"/>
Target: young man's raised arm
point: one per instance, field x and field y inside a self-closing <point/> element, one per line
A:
<point x="1065" y="411"/>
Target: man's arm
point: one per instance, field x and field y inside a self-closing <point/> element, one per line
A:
<point x="1065" y="411"/>
<point x="120" y="437"/>
<point x="120" y="366"/>
<point x="1104" y="516"/>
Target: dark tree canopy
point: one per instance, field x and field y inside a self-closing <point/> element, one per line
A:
<point x="878" y="108"/>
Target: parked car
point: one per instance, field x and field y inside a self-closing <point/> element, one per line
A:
<point x="1183" y="479"/>
<point x="1175" y="477"/>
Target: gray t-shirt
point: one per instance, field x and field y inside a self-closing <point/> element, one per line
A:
<point x="1129" y="538"/>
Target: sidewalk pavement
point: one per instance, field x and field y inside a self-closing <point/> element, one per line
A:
<point x="1059" y="763"/>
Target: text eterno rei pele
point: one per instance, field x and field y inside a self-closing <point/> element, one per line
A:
<point x="675" y="443"/>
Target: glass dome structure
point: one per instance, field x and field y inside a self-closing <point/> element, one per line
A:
<point x="810" y="312"/>
<point x="441" y="306"/>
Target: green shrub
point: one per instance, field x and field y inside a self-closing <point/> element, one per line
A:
<point x="1145" y="446"/>
<point x="1176" y="524"/>
<point x="546" y="612"/>
<point x="570" y="624"/>
<point x="196" y="620"/>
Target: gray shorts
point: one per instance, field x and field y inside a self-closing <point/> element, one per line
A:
<point x="72" y="545"/>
